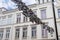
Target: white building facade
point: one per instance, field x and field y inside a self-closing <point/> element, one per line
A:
<point x="15" y="26"/>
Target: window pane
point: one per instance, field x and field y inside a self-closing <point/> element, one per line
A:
<point x="44" y="33"/>
<point x="43" y="13"/>
<point x="1" y="34"/>
<point x="3" y="17"/>
<point x="59" y="13"/>
<point x="9" y="19"/>
<point x="35" y="11"/>
<point x="24" y="32"/>
<point x="10" y="16"/>
<point x="7" y="32"/>
<point x="25" y="19"/>
<point x="39" y="1"/>
<point x="17" y="33"/>
<point x="33" y="31"/>
<point x="47" y="0"/>
<point x="18" y="18"/>
<point x="42" y="1"/>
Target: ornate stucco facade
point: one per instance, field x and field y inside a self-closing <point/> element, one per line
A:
<point x="15" y="26"/>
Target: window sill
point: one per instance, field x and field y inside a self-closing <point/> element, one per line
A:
<point x="7" y="39"/>
<point x="47" y="18"/>
<point x="24" y="37"/>
<point x="33" y="37"/>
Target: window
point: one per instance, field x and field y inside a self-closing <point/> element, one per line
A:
<point x="44" y="33"/>
<point x="7" y="33"/>
<point x="3" y="17"/>
<point x="17" y="33"/>
<point x="9" y="19"/>
<point x="43" y="13"/>
<point x="59" y="13"/>
<point x="42" y="1"/>
<point x="24" y="32"/>
<point x="47" y="0"/>
<point x="3" y="21"/>
<point x="10" y="16"/>
<point x="39" y="1"/>
<point x="0" y="18"/>
<point x="0" y="21"/>
<point x="35" y="11"/>
<point x="58" y="27"/>
<point x="1" y="34"/>
<point x="33" y="32"/>
<point x="18" y="18"/>
<point x="25" y="19"/>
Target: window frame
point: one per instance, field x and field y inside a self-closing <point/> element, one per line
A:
<point x="25" y="19"/>
<point x="17" y="33"/>
<point x="7" y="33"/>
<point x="18" y="19"/>
<point x="59" y="13"/>
<point x="43" y="1"/>
<point x="1" y="34"/>
<point x="33" y="32"/>
<point x="24" y="32"/>
<point x="39" y="1"/>
<point x="44" y="32"/>
<point x="44" y="15"/>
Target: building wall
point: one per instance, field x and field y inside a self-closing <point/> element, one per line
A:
<point x="4" y="23"/>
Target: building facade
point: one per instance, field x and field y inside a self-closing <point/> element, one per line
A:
<point x="15" y="26"/>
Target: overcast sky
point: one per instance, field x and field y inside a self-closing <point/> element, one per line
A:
<point x="10" y="5"/>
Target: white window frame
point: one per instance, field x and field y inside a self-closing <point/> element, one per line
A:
<point x="43" y="1"/>
<point x="1" y="34"/>
<point x="18" y="18"/>
<point x="39" y="1"/>
<point x="43" y="14"/>
<point x="7" y="33"/>
<point x="58" y="13"/>
<point x="24" y="32"/>
<point x="33" y="32"/>
<point x="17" y="33"/>
<point x="25" y="19"/>
<point x="44" y="31"/>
